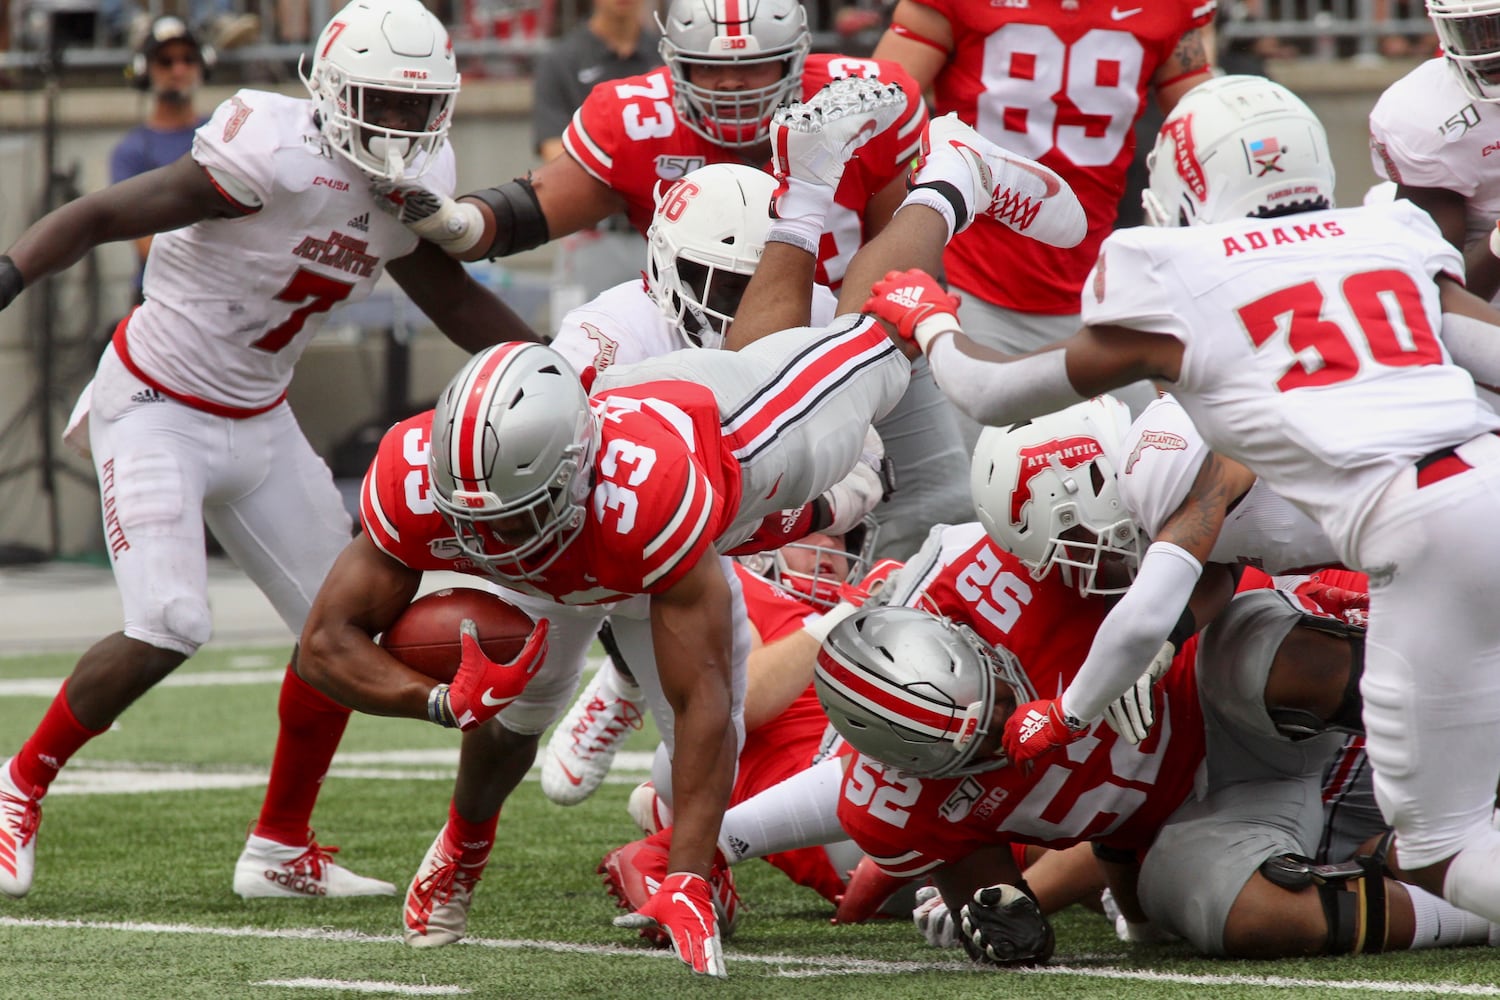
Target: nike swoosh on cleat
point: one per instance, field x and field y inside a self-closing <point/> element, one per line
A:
<point x="569" y="774"/>
<point x="1046" y="178"/>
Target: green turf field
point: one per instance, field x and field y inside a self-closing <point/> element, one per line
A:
<point x="132" y="896"/>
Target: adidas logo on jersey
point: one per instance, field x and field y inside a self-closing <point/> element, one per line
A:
<point x="148" y="396"/>
<point x="908" y="298"/>
<point x="361" y="222"/>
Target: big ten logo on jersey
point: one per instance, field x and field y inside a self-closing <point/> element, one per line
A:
<point x="647" y="112"/>
<point x="883" y="792"/>
<point x="670" y="168"/>
<point x="997" y="595"/>
<point x="677" y="198"/>
<point x="1080" y="98"/>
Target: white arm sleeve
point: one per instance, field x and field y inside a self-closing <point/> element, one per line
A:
<point x="1474" y="346"/>
<point x="1133" y="630"/>
<point x="996" y="393"/>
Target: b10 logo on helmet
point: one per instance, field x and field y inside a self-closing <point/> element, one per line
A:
<point x="1070" y="453"/>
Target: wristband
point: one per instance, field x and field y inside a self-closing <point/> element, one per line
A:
<point x="780" y="232"/>
<point x="939" y="201"/>
<point x="930" y="329"/>
<point x="11" y="282"/>
<point x="819" y="629"/>
<point x="1185" y="629"/>
<point x="439" y="711"/>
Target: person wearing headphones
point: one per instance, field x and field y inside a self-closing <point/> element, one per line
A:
<point x="169" y="65"/>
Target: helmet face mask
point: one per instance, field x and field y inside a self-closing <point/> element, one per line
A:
<point x="1237" y="146"/>
<point x="820" y="568"/>
<point x="704" y="243"/>
<point x="513" y="438"/>
<point x="917" y="692"/>
<point x="384" y="81"/>
<point x="733" y="62"/>
<point x="1469" y="31"/>
<point x="1045" y="490"/>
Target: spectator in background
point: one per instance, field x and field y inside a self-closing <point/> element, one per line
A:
<point x="169" y="65"/>
<point x="615" y="42"/>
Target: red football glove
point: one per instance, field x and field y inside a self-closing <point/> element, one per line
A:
<point x="684" y="908"/>
<point x="915" y="304"/>
<point x="482" y="687"/>
<point x="1037" y="727"/>
<point x="1350" y="606"/>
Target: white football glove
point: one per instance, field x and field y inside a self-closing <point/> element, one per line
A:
<point x="1145" y="932"/>
<point x="454" y="226"/>
<point x="854" y="496"/>
<point x="934" y="919"/>
<point x="1132" y="714"/>
<point x="813" y="140"/>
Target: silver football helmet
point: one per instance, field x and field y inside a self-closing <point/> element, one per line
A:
<point x="1237" y="146"/>
<point x="375" y="55"/>
<point x="827" y="573"/>
<point x="748" y="35"/>
<point x="1469" y="31"/>
<point x="513" y="438"/>
<point x="704" y="243"/>
<point x="1045" y="490"/>
<point x="917" y="692"/>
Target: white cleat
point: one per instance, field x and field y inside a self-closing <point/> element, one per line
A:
<point x="813" y="140"/>
<point x="20" y="815"/>
<point x="1014" y="190"/>
<point x="648" y="810"/>
<point x="437" y="903"/>
<point x="271" y="870"/>
<point x="584" y="744"/>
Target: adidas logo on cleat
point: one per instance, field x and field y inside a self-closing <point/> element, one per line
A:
<point x="296" y="883"/>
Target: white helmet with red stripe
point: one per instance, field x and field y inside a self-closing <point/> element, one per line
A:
<point x="754" y="37"/>
<point x="1237" y="146"/>
<point x="512" y="441"/>
<point x="1046" y="491"/>
<point x="918" y="692"/>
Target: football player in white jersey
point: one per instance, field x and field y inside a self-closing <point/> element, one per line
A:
<point x="267" y="224"/>
<point x="1433" y="131"/>
<point x="1301" y="341"/>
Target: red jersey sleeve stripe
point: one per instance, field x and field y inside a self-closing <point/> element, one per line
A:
<point x="683" y="534"/>
<point x="581" y="146"/>
<point x="377" y="524"/>
<point x="907" y="865"/>
<point x="802" y="384"/>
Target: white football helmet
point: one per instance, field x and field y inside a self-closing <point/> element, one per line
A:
<point x="1045" y="490"/>
<point x="394" y="46"/>
<point x="513" y="440"/>
<point x="824" y="586"/>
<point x="747" y="33"/>
<point x="705" y="240"/>
<point x="1469" y="31"/>
<point x="917" y="692"/>
<point x="1237" y="146"/>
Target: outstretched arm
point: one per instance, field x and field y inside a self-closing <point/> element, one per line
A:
<point x="168" y="197"/>
<point x="469" y="314"/>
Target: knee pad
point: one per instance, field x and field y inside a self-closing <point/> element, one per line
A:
<point x="1352" y="895"/>
<point x="180" y="624"/>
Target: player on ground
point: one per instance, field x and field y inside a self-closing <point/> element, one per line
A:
<point x="1064" y="86"/>
<point x="728" y="65"/>
<point x="264" y="227"/>
<point x="1337" y="393"/>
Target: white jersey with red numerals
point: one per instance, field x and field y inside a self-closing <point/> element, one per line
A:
<point x="1163" y="454"/>
<point x="1064" y="87"/>
<point x="690" y="496"/>
<point x="231" y="303"/>
<point x="624" y="324"/>
<point x="1309" y="346"/>
<point x="1427" y="132"/>
<point x="626" y="134"/>
<point x="1099" y="788"/>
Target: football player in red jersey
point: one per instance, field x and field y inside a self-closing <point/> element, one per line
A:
<point x="265" y="226"/>
<point x="1063" y="84"/>
<point x="729" y="63"/>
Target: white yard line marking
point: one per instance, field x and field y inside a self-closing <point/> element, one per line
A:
<point x="363" y="986"/>
<point x="812" y="965"/>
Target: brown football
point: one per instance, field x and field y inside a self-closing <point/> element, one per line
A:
<point x="425" y="637"/>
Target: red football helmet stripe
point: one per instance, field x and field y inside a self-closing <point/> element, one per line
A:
<point x="466" y="444"/>
<point x="734" y="18"/>
<point x="888" y="700"/>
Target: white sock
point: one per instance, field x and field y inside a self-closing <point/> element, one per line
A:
<point x="802" y="811"/>
<point x="1473" y="879"/>
<point x="933" y="199"/>
<point x="1440" y="924"/>
<point x="613" y="684"/>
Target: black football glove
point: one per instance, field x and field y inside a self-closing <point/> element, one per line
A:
<point x="1004" y="926"/>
